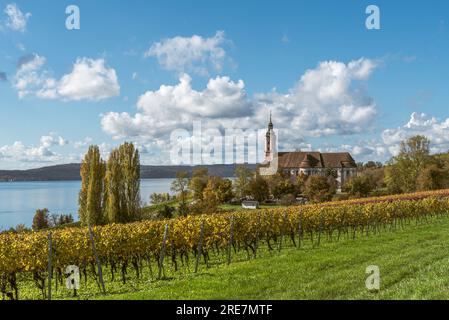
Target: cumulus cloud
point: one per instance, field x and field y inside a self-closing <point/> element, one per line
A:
<point x="366" y="150"/>
<point x="52" y="140"/>
<point x="50" y="149"/>
<point x="324" y="101"/>
<point x="190" y="54"/>
<point x="19" y="152"/>
<point x="419" y="124"/>
<point x="15" y="19"/>
<point x="177" y="106"/>
<point x="361" y="69"/>
<point x="389" y="141"/>
<point x="29" y="76"/>
<point x="83" y="143"/>
<point x="89" y="79"/>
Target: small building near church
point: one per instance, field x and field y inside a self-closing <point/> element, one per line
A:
<point x="250" y="205"/>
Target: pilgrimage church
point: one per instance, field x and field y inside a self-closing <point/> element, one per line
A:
<point x="310" y="163"/>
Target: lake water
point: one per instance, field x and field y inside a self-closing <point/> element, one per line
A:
<point x="19" y="200"/>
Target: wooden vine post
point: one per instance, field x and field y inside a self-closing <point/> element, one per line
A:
<point x="256" y="244"/>
<point x="97" y="259"/>
<point x="49" y="267"/>
<point x="162" y="255"/>
<point x="231" y="238"/>
<point x="200" y="247"/>
<point x="320" y="227"/>
<point x="283" y="227"/>
<point x="300" y="227"/>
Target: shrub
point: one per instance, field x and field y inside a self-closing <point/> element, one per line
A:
<point x="41" y="219"/>
<point x="287" y="200"/>
<point x="165" y="212"/>
<point x="259" y="189"/>
<point x="359" y="186"/>
<point x="319" y="188"/>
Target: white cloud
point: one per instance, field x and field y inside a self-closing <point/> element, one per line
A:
<point x="361" y="69"/>
<point x="190" y="54"/>
<point x="50" y="150"/>
<point x="366" y="150"/>
<point x="28" y="76"/>
<point x="389" y="142"/>
<point x="18" y="152"/>
<point x="52" y="140"/>
<point x="89" y="80"/>
<point x="84" y="143"/>
<point x="177" y="106"/>
<point x="15" y="19"/>
<point x="324" y="102"/>
<point x="419" y="124"/>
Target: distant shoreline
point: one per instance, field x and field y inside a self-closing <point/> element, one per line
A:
<point x="71" y="172"/>
<point x="72" y="180"/>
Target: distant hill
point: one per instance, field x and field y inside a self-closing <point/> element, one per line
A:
<point x="72" y="172"/>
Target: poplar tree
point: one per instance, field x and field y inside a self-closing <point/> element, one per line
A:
<point x="130" y="161"/>
<point x="91" y="195"/>
<point x="123" y="184"/>
<point x="113" y="178"/>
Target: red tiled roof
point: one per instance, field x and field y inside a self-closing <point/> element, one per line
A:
<point x="338" y="159"/>
<point x="301" y="159"/>
<point x="294" y="159"/>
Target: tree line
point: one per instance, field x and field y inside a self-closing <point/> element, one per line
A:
<point x="42" y="219"/>
<point x="413" y="169"/>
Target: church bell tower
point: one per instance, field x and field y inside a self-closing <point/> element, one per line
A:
<point x="270" y="142"/>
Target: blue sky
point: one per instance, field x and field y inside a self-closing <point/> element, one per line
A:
<point x="331" y="83"/>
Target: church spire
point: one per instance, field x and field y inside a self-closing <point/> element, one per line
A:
<point x="270" y="124"/>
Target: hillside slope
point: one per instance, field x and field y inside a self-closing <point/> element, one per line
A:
<point x="72" y="172"/>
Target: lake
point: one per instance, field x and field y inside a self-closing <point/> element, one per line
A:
<point x="19" y="200"/>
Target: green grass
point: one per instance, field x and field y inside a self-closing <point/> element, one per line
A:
<point x="155" y="207"/>
<point x="147" y="211"/>
<point x="413" y="262"/>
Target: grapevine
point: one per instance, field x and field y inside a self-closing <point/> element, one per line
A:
<point x="124" y="246"/>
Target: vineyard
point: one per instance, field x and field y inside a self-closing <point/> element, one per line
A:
<point x="194" y="240"/>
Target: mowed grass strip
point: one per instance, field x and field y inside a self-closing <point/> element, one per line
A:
<point x="413" y="262"/>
